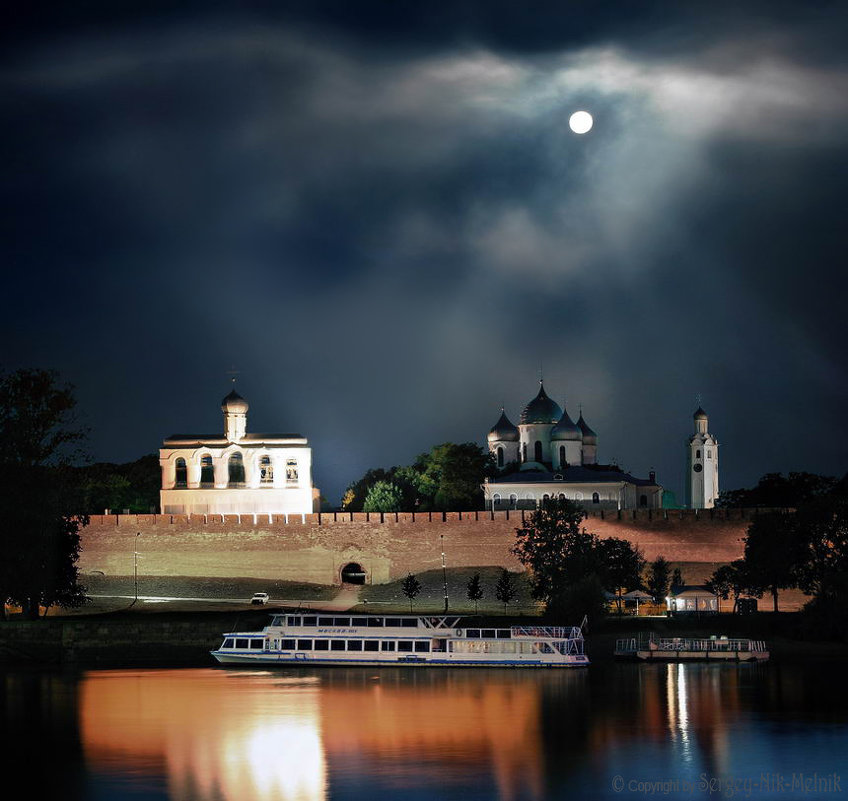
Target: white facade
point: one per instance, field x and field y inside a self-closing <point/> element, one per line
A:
<point x="702" y="465"/>
<point x="549" y="456"/>
<point x="237" y="472"/>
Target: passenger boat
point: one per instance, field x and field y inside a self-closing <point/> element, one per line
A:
<point x="688" y="649"/>
<point x="400" y="640"/>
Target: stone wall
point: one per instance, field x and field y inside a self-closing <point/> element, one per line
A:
<point x="316" y="547"/>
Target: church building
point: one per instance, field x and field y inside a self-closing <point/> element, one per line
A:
<point x="702" y="464"/>
<point x="548" y="455"/>
<point x="237" y="472"/>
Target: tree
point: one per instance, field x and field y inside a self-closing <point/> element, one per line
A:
<point x="677" y="580"/>
<point x="659" y="574"/>
<point x="39" y="520"/>
<point x="384" y="496"/>
<point x="505" y="589"/>
<point x="452" y="476"/>
<point x="731" y="581"/>
<point x="474" y="591"/>
<point x="773" y="553"/>
<point x="621" y="565"/>
<point x="410" y="587"/>
<point x="778" y="492"/>
<point x="555" y="548"/>
<point x="823" y="566"/>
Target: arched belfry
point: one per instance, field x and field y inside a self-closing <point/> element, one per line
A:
<point x="701" y="464"/>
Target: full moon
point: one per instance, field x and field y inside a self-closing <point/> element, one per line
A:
<point x="580" y="122"/>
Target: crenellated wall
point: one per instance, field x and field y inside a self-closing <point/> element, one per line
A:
<point x="315" y="547"/>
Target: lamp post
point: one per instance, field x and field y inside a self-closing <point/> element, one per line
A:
<point x="444" y="571"/>
<point x="135" y="567"/>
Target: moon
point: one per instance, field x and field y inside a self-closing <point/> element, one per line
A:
<point x="580" y="122"/>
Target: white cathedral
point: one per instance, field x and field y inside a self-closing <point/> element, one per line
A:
<point x="236" y="472"/>
<point x="547" y="455"/>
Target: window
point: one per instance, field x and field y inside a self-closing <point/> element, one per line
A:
<point x="241" y="643"/>
<point x="266" y="471"/>
<point x="181" y="479"/>
<point x="291" y="471"/>
<point x="354" y="645"/>
<point x="537" y="451"/>
<point x="643" y="500"/>
<point x="709" y="454"/>
<point x="310" y="621"/>
<point x="404" y="645"/>
<point x="596" y="498"/>
<point x="341" y="621"/>
<point x="500" y="457"/>
<point x="294" y="621"/>
<point x="359" y="621"/>
<point x="207" y="472"/>
<point x="337" y="645"/>
<point x="496" y="498"/>
<point x="304" y="645"/>
<point x="322" y="645"/>
<point x="387" y="646"/>
<point x="287" y="645"/>
<point x="228" y="643"/>
<point x="372" y="645"/>
<point x="562" y="462"/>
<point x="490" y="633"/>
<point x="524" y="452"/>
<point x="697" y="454"/>
<point x="422" y="647"/>
<point x="256" y="645"/>
<point x="513" y="500"/>
<point x="325" y="621"/>
<point x="578" y="496"/>
<point x="235" y="468"/>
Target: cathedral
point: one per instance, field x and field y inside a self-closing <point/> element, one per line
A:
<point x="548" y="455"/>
<point x="237" y="472"/>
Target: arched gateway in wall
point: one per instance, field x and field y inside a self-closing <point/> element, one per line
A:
<point x="353" y="573"/>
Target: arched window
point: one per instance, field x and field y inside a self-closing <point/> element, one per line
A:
<point x="643" y="500"/>
<point x="513" y="500"/>
<point x="291" y="471"/>
<point x="537" y="451"/>
<point x="235" y="469"/>
<point x="524" y="452"/>
<point x="496" y="499"/>
<point x="697" y="454"/>
<point x="266" y="471"/>
<point x="207" y="472"/>
<point x="500" y="457"/>
<point x="562" y="461"/>
<point x="578" y="496"/>
<point x="596" y="498"/>
<point x="709" y="454"/>
<point x="181" y="474"/>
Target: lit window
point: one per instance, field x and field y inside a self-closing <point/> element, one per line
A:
<point x="181" y="480"/>
<point x="291" y="471"/>
<point x="207" y="472"/>
<point x="266" y="470"/>
<point x="235" y="468"/>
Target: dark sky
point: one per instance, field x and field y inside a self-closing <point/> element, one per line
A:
<point x="377" y="213"/>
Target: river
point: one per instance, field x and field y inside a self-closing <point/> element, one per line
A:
<point x="609" y="731"/>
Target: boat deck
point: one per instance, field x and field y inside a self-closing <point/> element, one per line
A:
<point x="685" y="649"/>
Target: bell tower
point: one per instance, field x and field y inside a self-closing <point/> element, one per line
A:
<point x="702" y="465"/>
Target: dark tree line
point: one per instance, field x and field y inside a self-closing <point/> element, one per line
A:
<point x="776" y="491"/>
<point x="448" y="478"/>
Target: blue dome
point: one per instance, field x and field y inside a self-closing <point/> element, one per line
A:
<point x="541" y="410"/>
<point x="504" y="430"/>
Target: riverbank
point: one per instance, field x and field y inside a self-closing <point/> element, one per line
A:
<point x="133" y="638"/>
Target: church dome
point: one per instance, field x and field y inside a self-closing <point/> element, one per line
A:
<point x="503" y="430"/>
<point x="700" y="414"/>
<point x="565" y="428"/>
<point x="234" y="404"/>
<point x="541" y="410"/>
<point x="589" y="436"/>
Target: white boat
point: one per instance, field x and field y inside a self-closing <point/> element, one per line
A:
<point x="401" y="640"/>
<point x="689" y="649"/>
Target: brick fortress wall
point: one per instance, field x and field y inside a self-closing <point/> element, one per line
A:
<point x="316" y="547"/>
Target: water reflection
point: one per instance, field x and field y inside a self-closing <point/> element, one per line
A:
<point x="199" y="735"/>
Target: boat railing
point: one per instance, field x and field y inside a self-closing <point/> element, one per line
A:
<point x="551" y="632"/>
<point x="632" y="644"/>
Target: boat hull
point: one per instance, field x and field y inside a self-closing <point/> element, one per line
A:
<point x="311" y="660"/>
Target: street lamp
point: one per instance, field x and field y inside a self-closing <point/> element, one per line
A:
<point x="444" y="571"/>
<point x="135" y="567"/>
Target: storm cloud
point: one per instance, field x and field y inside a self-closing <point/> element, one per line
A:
<point x="384" y="223"/>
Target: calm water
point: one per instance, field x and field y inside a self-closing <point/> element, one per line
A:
<point x="223" y="734"/>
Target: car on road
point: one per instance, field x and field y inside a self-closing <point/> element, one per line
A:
<point x="260" y="599"/>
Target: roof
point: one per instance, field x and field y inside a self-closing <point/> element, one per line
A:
<point x="576" y="474"/>
<point x="503" y="430"/>
<point x="541" y="410"/>
<point x="219" y="439"/>
<point x="565" y="428"/>
<point x="584" y="428"/>
<point x="691" y="589"/>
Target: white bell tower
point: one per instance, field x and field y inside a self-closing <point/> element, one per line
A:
<point x="702" y="465"/>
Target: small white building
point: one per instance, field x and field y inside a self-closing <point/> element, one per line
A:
<point x="692" y="599"/>
<point x="548" y="456"/>
<point x="236" y="472"/>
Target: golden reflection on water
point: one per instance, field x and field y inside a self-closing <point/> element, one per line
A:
<point x="217" y="734"/>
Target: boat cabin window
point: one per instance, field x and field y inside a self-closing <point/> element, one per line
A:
<point x="504" y="634"/>
<point x="472" y="633"/>
<point x="359" y="621"/>
<point x="304" y="645"/>
<point x="278" y="620"/>
<point x="354" y="645"/>
<point x="487" y="633"/>
<point x="325" y="621"/>
<point x="310" y="621"/>
<point x="337" y="645"/>
<point x="404" y="645"/>
<point x="375" y="621"/>
<point x="422" y="647"/>
<point x="322" y="645"/>
<point x="287" y="645"/>
<point x="387" y="646"/>
<point x="228" y="643"/>
<point x="372" y="645"/>
<point x="241" y="643"/>
<point x="294" y="621"/>
<point x="409" y="622"/>
<point x="341" y="621"/>
<point x="257" y="645"/>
